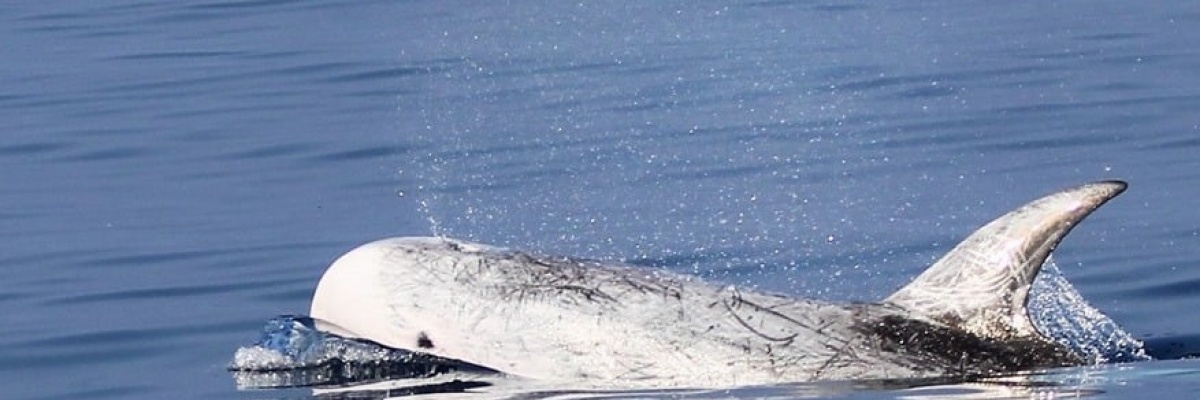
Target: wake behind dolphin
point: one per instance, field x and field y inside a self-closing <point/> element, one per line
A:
<point x="445" y="305"/>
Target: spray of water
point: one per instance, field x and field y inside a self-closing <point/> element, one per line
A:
<point x="1060" y="312"/>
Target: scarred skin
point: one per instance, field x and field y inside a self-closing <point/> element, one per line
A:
<point x="559" y="319"/>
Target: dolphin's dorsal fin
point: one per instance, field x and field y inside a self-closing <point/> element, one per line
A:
<point x="982" y="284"/>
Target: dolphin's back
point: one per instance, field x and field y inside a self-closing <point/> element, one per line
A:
<point x="608" y="324"/>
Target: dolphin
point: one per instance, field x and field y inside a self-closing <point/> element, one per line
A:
<point x="604" y="324"/>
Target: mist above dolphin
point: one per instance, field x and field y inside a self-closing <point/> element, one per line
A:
<point x="603" y="324"/>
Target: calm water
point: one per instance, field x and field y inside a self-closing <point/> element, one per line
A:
<point x="176" y="173"/>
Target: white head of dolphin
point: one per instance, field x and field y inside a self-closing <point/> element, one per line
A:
<point x="604" y="324"/>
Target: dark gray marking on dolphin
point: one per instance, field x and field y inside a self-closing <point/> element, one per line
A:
<point x="423" y="341"/>
<point x="560" y="319"/>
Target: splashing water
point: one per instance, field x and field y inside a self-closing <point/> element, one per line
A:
<point x="1060" y="312"/>
<point x="291" y="352"/>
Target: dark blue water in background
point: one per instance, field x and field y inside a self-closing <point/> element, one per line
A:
<point x="176" y="173"/>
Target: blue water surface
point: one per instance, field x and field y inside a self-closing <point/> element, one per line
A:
<point x="177" y="173"/>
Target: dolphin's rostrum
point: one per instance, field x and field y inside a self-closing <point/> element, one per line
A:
<point x="561" y="319"/>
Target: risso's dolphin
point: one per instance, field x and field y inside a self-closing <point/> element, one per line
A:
<point x="603" y="324"/>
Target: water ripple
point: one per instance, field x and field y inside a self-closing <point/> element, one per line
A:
<point x="192" y="290"/>
<point x="365" y="153"/>
<point x="24" y="149"/>
<point x="272" y="150"/>
<point x="113" y="392"/>
<point x="173" y="55"/>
